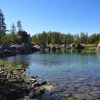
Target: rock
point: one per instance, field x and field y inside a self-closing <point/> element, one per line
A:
<point x="35" y="48"/>
<point x="77" y="46"/>
<point x="24" y="48"/>
<point x="9" y="53"/>
<point x="36" y="93"/>
<point x="53" y="49"/>
<point x="25" y="98"/>
<point x="44" y="83"/>
<point x="32" y="95"/>
<point x="1" y="97"/>
<point x="12" y="94"/>
<point x="49" y="88"/>
<point x="2" y="53"/>
<point x="37" y="85"/>
<point x="98" y="48"/>
<point x="1" y="72"/>
<point x="15" y="87"/>
<point x="41" y="91"/>
<point x="32" y="80"/>
<point x="6" y="46"/>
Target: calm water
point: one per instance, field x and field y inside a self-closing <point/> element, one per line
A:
<point x="74" y="73"/>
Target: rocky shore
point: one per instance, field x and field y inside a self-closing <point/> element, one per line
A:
<point x="7" y="49"/>
<point x="15" y="85"/>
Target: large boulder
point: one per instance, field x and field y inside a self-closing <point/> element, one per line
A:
<point x="35" y="48"/>
<point x="9" y="53"/>
<point x="23" y="48"/>
<point x="98" y="48"/>
<point x="2" y="53"/>
<point x="77" y="46"/>
<point x="6" y="46"/>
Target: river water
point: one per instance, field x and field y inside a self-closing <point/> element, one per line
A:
<point x="76" y="74"/>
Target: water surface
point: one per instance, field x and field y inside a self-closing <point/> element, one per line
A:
<point x="76" y="74"/>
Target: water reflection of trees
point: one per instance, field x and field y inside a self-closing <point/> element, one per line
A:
<point x="76" y="51"/>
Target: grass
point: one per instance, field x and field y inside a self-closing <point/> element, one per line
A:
<point x="10" y="67"/>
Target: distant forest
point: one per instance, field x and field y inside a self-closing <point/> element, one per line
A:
<point x="44" y="37"/>
<point x="60" y="38"/>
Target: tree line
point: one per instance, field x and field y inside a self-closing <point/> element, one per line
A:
<point x="12" y="35"/>
<point x="44" y="37"/>
<point x="61" y="38"/>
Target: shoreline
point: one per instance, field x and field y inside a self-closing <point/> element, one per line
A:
<point x="14" y="84"/>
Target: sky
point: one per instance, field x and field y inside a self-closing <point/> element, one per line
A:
<point x="65" y="16"/>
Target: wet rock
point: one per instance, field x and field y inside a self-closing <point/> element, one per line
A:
<point x="37" y="85"/>
<point x="32" y="95"/>
<point x="37" y="93"/>
<point x="44" y="83"/>
<point x="49" y="88"/>
<point x="32" y="80"/>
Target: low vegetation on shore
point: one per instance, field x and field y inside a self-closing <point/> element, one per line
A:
<point x="16" y="84"/>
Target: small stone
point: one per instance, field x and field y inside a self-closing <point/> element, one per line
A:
<point x="44" y="83"/>
<point x="37" y="84"/>
<point x="32" y="95"/>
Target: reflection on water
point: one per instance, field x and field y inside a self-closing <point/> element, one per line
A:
<point x="74" y="73"/>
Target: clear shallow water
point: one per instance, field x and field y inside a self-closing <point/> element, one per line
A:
<point x="73" y="73"/>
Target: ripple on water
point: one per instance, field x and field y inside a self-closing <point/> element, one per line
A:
<point x="77" y="75"/>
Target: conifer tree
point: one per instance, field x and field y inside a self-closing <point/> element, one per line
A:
<point x="19" y="25"/>
<point x="2" y="23"/>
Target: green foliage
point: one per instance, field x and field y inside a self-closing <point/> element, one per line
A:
<point x="44" y="37"/>
<point x="14" y="38"/>
<point x="13" y="29"/>
<point x="2" y="23"/>
<point x="10" y="38"/>
<point x="23" y="35"/>
<point x="47" y="37"/>
<point x="19" y="25"/>
<point x="12" y="67"/>
<point x="60" y="38"/>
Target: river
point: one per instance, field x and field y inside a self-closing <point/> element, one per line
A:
<point x="76" y="74"/>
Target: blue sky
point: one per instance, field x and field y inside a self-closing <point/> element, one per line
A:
<point x="64" y="16"/>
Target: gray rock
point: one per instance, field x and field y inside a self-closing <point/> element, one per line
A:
<point x="77" y="46"/>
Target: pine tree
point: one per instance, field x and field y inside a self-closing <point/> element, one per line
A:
<point x="13" y="29"/>
<point x="2" y="23"/>
<point x="19" y="25"/>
